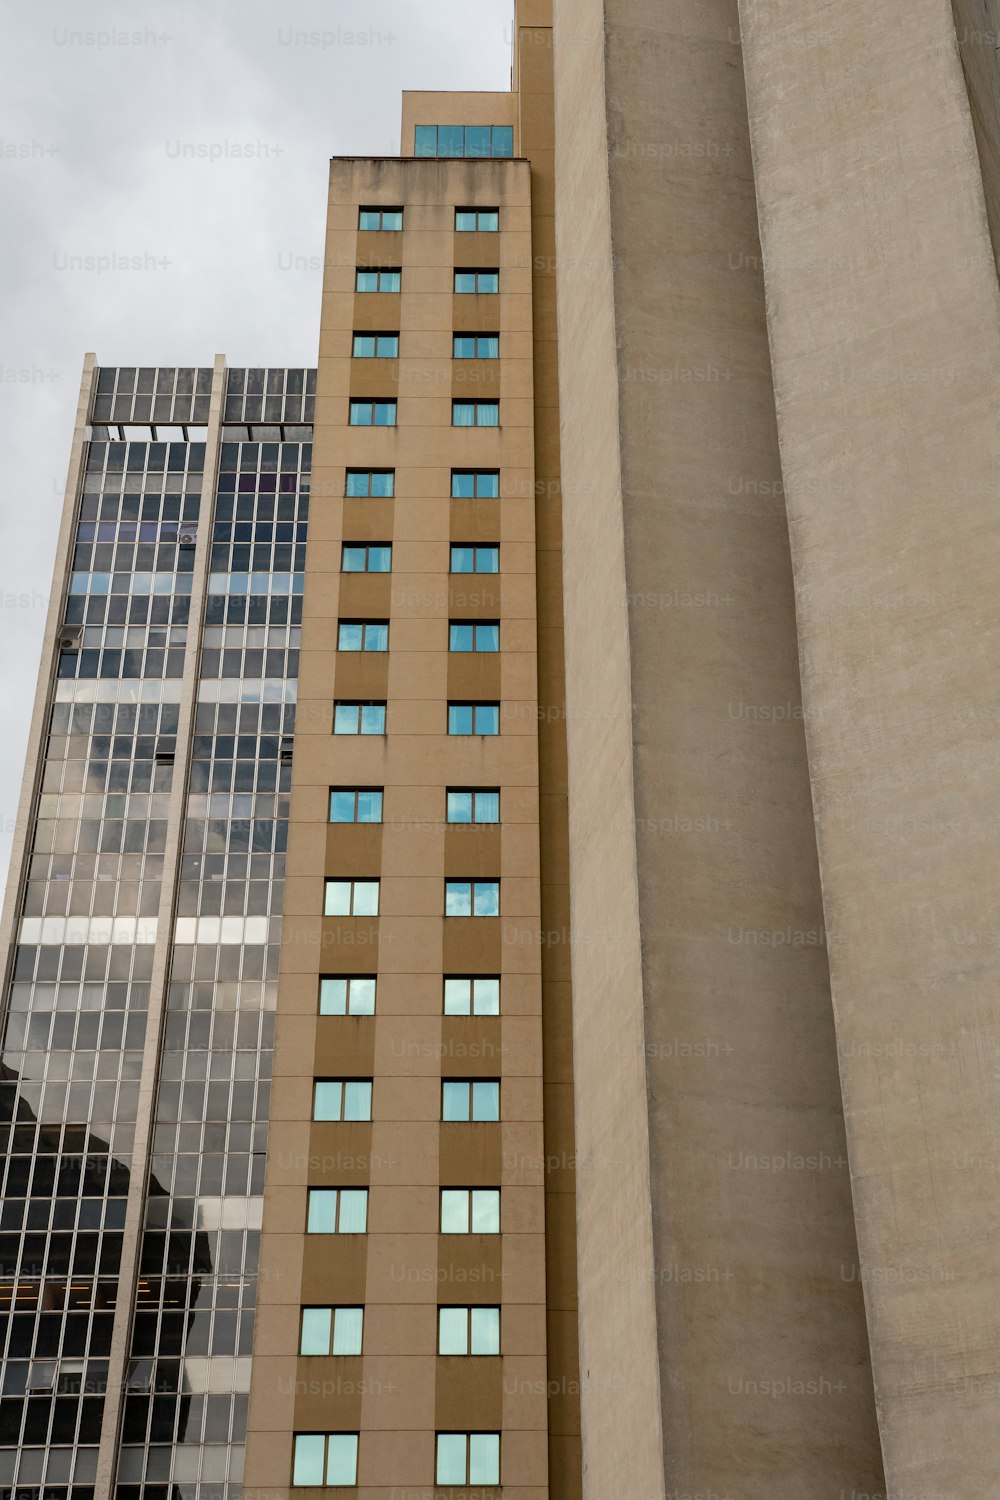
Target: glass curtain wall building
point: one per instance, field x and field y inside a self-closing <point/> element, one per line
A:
<point x="144" y="929"/>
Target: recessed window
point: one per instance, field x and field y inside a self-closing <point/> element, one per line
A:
<point x="472" y="995"/>
<point x="337" y="1211"/>
<point x="350" y="898"/>
<point x="481" y="220"/>
<point x="380" y="218"/>
<point x="359" y="718"/>
<point x="366" y="557"/>
<point x="474" y="282"/>
<point x="473" y="718"/>
<point x="374" y="414"/>
<point x="475" y="346"/>
<point x="470" y="1210"/>
<point x="380" y="483"/>
<point x="349" y="995"/>
<point x="470" y="1099"/>
<point x="382" y="279"/>
<point x="472" y="898"/>
<point x="468" y="1330"/>
<point x="475" y="414"/>
<point x="463" y="140"/>
<point x="376" y="346"/>
<point x="470" y="558"/>
<point x="363" y="635"/>
<point x="325" y="1458"/>
<point x="340" y="1099"/>
<point x="356" y="805"/>
<point x="475" y="484"/>
<point x="475" y="805"/>
<point x="474" y="635"/>
<point x="336" y="1330"/>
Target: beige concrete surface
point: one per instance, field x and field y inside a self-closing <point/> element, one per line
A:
<point x="717" y="1246"/>
<point x="884" y="319"/>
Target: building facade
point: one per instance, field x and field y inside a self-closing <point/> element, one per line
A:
<point x="141" y="996"/>
<point x="498" y="996"/>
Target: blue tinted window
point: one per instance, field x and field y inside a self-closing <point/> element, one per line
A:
<point x="451" y="140"/>
<point x="363" y="482"/>
<point x="477" y="140"/>
<point x="463" y="140"/>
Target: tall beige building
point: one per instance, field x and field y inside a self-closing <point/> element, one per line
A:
<point x="500" y="991"/>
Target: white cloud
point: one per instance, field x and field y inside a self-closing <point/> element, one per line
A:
<point x="97" y="97"/>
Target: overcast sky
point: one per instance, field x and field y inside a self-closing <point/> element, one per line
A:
<point x="100" y="98"/>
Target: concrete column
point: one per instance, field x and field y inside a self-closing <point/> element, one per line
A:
<point x="34" y="759"/>
<point x="724" y="1346"/>
<point x="884" y="319"/>
<point x="121" y="1335"/>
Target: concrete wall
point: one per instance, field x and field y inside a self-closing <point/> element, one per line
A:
<point x="884" y="320"/>
<point x="717" y="1248"/>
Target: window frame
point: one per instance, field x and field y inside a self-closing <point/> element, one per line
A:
<point x="479" y="274"/>
<point x="475" y="548"/>
<point x="364" y="647"/>
<point x="367" y="548"/>
<point x="382" y="228"/>
<point x="331" y="1352"/>
<point x="352" y="881"/>
<point x="473" y="793"/>
<point x="379" y="272"/>
<point x="342" y="1117"/>
<point x="477" y="475"/>
<point x="495" y="1209"/>
<point x="360" y="706"/>
<point x="475" y="626"/>
<point x="477" y="407"/>
<point x="471" y="1085"/>
<point x="472" y="980"/>
<point x="456" y="705"/>
<point x="464" y="154"/>
<point x="312" y="1197"/>
<point x="475" y="883"/>
<point x="348" y="980"/>
<point x="377" y="339"/>
<point x="356" y="793"/>
<point x="360" y="403"/>
<point x="325" y="1482"/>
<point x="369" y="493"/>
<point x="470" y="1309"/>
<point x="477" y="228"/>
<point x="477" y="339"/>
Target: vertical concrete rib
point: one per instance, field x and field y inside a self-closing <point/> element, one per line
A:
<point x="884" y="317"/>
<point x="146" y="1109"/>
<point x="34" y="762"/>
<point x="705" y="1050"/>
<point x="621" y="1437"/>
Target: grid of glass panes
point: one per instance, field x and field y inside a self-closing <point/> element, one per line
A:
<point x="188" y="1375"/>
<point x="463" y="140"/>
<point x="259" y="395"/>
<point x="74" y="1031"/>
<point x="130" y="395"/>
<point x="257" y="561"/>
<point x="133" y="555"/>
